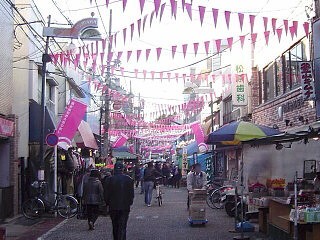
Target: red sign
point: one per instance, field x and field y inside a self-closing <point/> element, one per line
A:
<point x="52" y="139"/>
<point x="6" y="127"/>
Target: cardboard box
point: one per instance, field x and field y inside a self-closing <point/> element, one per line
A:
<point x="197" y="212"/>
<point x="198" y="195"/>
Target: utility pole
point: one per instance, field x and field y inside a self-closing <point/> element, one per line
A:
<point x="317" y="8"/>
<point x="107" y="95"/>
<point x="45" y="59"/>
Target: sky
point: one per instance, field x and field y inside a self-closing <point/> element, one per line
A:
<point x="182" y="30"/>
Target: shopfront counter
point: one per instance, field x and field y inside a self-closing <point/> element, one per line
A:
<point x="280" y="226"/>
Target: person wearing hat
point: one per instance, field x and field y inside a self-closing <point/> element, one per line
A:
<point x="93" y="197"/>
<point x="119" y="195"/>
<point x="196" y="179"/>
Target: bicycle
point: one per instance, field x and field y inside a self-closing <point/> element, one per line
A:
<point x="158" y="192"/>
<point x="65" y="205"/>
<point x="216" y="198"/>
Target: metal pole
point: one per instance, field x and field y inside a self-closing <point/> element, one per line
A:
<point x="212" y="153"/>
<point x="55" y="180"/>
<point x="295" y="233"/>
<point x="107" y="98"/>
<point x="45" y="59"/>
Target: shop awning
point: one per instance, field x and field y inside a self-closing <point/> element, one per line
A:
<point x="126" y="156"/>
<point x="35" y="122"/>
<point x="84" y="138"/>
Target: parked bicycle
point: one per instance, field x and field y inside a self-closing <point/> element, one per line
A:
<point x="216" y="198"/>
<point x="158" y="191"/>
<point x="65" y="205"/>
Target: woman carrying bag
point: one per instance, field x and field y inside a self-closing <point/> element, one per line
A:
<point x="93" y="197"/>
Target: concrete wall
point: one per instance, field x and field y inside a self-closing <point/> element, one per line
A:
<point x="265" y="162"/>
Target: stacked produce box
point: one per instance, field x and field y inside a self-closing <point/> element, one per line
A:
<point x="197" y="210"/>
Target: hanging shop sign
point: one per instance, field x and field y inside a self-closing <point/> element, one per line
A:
<point x="307" y="82"/>
<point x="239" y="87"/>
<point x="316" y="57"/>
<point x="6" y="127"/>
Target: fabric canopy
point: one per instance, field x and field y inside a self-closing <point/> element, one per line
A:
<point x="236" y="132"/>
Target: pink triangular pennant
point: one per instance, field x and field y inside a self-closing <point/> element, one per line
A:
<point x="144" y="22"/>
<point x="286" y="25"/>
<point x="279" y="33"/>
<point x="103" y="43"/>
<point x="254" y="39"/>
<point x="122" y="71"/>
<point x="195" y="48"/>
<point x="173" y="8"/>
<point x="136" y="71"/>
<point x="295" y="25"/>
<point x="144" y="74"/>
<point x="142" y="5"/>
<point x="241" y="17"/>
<point x="147" y="54"/>
<point x="124" y="4"/>
<point x="227" y="17"/>
<point x="274" y="25"/>
<point x="124" y="32"/>
<point x="151" y="18"/>
<point x="102" y="57"/>
<point x="173" y="50"/>
<point x="266" y="36"/>
<point x="132" y="30"/>
<point x="202" y="11"/>
<point x="183" y="3"/>
<point x="215" y="13"/>
<point x="157" y="4"/>
<point x="230" y="42"/>
<point x="265" y="23"/>
<point x="128" y="55"/>
<point x="161" y="75"/>
<point x="107" y="3"/>
<point x="139" y="26"/>
<point x="206" y="46"/>
<point x="252" y="19"/>
<point x="159" y="49"/>
<point x="119" y="55"/>
<point x="184" y="49"/>
<point x="242" y="38"/>
<point x="306" y="26"/>
<point x="218" y="45"/>
<point x="169" y="76"/>
<point x="189" y="9"/>
<point x="162" y="10"/>
<point x="152" y="74"/>
<point x="177" y="76"/>
<point x="138" y="55"/>
<point x="292" y="31"/>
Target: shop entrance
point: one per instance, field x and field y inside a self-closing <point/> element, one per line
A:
<point x="6" y="191"/>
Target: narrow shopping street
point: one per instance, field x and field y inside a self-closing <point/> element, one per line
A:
<point x="168" y="222"/>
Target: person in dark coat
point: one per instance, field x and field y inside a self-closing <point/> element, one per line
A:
<point x="93" y="197"/>
<point x="119" y="194"/>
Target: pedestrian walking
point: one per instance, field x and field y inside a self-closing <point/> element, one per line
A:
<point x="196" y="179"/>
<point x="166" y="174"/>
<point x="137" y="174"/>
<point x="93" y="197"/>
<point x="177" y="175"/>
<point x="150" y="174"/>
<point x="119" y="196"/>
<point x="142" y="168"/>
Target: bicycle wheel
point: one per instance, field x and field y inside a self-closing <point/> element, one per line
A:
<point x="209" y="201"/>
<point x="33" y="208"/>
<point x="160" y="199"/>
<point x="216" y="199"/>
<point x="67" y="206"/>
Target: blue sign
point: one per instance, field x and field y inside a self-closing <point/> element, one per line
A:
<point x="52" y="139"/>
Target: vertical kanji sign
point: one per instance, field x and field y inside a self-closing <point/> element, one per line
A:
<point x="307" y="82"/>
<point x="240" y="87"/>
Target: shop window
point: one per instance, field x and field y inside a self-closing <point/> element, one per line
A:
<point x="227" y="110"/>
<point x="292" y="58"/>
<point x="269" y="82"/>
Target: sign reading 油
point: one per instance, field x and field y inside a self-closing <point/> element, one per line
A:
<point x="307" y="83"/>
<point x="240" y="87"/>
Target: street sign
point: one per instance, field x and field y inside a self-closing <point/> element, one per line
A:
<point x="117" y="105"/>
<point x="52" y="139"/>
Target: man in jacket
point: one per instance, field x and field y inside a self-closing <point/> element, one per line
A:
<point x="93" y="196"/>
<point x="196" y="179"/>
<point x="119" y="194"/>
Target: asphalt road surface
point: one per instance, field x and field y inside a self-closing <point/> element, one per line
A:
<point x="168" y="222"/>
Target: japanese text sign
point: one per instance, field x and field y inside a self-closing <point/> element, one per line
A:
<point x="240" y="87"/>
<point x="306" y="78"/>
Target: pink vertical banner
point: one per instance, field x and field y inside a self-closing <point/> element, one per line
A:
<point x="70" y="121"/>
<point x="198" y="132"/>
<point x="122" y="139"/>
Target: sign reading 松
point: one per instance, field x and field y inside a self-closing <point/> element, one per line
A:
<point x="307" y="83"/>
<point x="240" y="87"/>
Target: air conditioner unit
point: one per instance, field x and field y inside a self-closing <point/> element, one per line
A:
<point x="238" y="113"/>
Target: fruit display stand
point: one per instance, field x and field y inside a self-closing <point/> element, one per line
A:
<point x="197" y="209"/>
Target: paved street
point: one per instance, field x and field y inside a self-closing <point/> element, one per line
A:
<point x="167" y="222"/>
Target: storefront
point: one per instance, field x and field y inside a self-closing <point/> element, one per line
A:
<point x="8" y="169"/>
